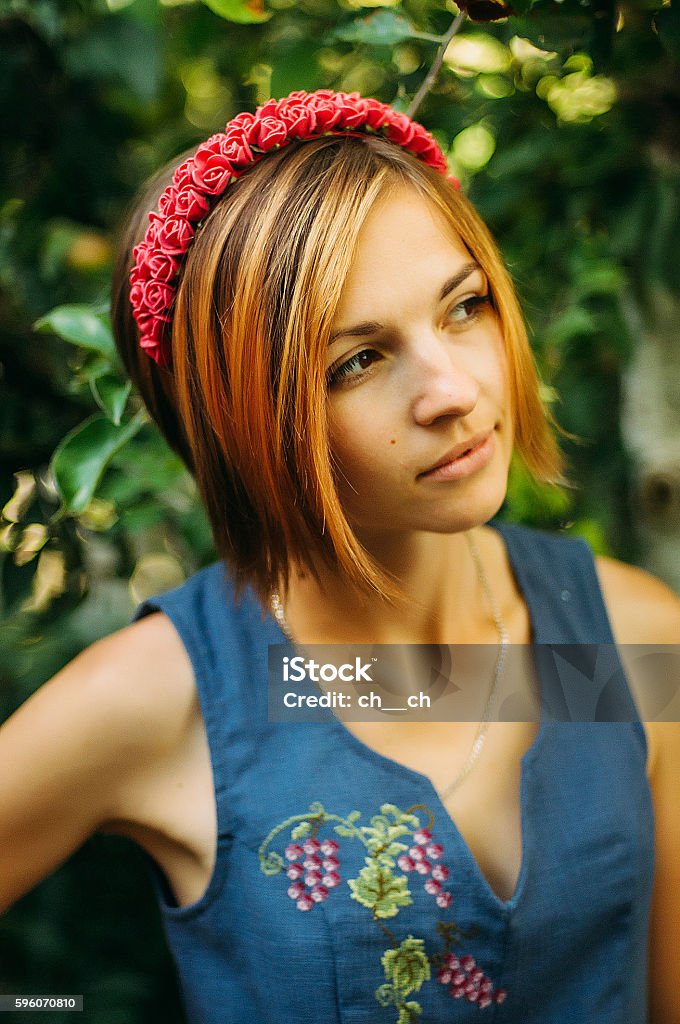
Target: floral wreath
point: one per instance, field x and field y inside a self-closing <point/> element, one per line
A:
<point x="199" y="181"/>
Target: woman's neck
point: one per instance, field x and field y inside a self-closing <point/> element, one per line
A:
<point x="446" y="601"/>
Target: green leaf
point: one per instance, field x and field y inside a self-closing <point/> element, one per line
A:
<point x="378" y="889"/>
<point x="407" y="967"/>
<point x="111" y="395"/>
<point x="408" y="1013"/>
<point x="246" y="12"/>
<point x="390" y="809"/>
<point x="301" y="830"/>
<point x="384" y="28"/>
<point x="342" y="830"/>
<point x="80" y="326"/>
<point x="83" y="455"/>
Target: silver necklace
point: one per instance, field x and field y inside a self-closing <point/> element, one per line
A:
<point x="503" y="638"/>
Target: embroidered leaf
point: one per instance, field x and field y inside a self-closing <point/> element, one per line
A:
<point x="378" y="889"/>
<point x="316" y="808"/>
<point x="385" y="995"/>
<point x="390" y="809"/>
<point x="381" y="842"/>
<point x="385" y="860"/>
<point x="396" y="848"/>
<point x="342" y="830"/>
<point x="301" y="830"/>
<point x="409" y="1012"/>
<point x="410" y="820"/>
<point x="407" y="967"/>
<point x="353" y="816"/>
<point x="380" y="823"/>
<point x="272" y="863"/>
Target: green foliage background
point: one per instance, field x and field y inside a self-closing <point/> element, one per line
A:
<point x="561" y="120"/>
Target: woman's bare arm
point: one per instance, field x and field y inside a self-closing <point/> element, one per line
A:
<point x="69" y="754"/>
<point x="644" y="611"/>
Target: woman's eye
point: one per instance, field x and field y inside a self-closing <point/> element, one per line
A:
<point x="468" y="309"/>
<point x="352" y="367"/>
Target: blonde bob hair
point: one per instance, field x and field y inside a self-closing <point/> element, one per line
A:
<point x="245" y="402"/>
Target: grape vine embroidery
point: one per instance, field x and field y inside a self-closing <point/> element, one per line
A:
<point x="312" y="864"/>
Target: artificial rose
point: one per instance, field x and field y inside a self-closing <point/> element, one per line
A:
<point x="212" y="170"/>
<point x="268" y="109"/>
<point x="156" y="222"/>
<point x="141" y="254"/>
<point x="421" y="141"/>
<point x="433" y="157"/>
<point x="327" y="113"/>
<point x="182" y="177"/>
<point x="299" y="119"/>
<point x="374" y="113"/>
<point x="424" y="145"/>
<point x="162" y="266"/>
<point x="401" y="129"/>
<point x="153" y="340"/>
<point x="267" y="132"/>
<point x="137" y="294"/>
<point x="351" y="114"/>
<point x="241" y="122"/>
<point x="166" y="203"/>
<point x="236" y="150"/>
<point x="152" y="326"/>
<point x="175" y="235"/>
<point x="190" y="203"/>
<point x="156" y="297"/>
<point x="438" y="161"/>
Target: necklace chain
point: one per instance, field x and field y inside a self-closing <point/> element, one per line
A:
<point x="503" y="638"/>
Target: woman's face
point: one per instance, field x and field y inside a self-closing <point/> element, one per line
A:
<point x="419" y="370"/>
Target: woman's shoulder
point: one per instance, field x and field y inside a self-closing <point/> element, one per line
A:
<point x="642" y="609"/>
<point x="645" y="612"/>
<point x="143" y="675"/>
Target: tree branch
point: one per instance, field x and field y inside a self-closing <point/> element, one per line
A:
<point x="431" y="76"/>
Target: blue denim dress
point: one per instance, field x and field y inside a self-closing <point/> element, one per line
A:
<point x="343" y="892"/>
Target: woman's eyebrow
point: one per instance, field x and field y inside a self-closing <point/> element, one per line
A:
<point x="372" y="326"/>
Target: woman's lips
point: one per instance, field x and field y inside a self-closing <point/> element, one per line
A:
<point x="464" y="465"/>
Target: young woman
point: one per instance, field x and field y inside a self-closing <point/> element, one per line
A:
<point x="321" y="325"/>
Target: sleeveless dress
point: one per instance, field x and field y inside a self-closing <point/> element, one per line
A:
<point x="344" y="893"/>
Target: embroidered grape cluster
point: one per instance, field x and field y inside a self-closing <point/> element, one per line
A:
<point x="419" y="859"/>
<point x="312" y="867"/>
<point x="468" y="981"/>
<point x="313" y="877"/>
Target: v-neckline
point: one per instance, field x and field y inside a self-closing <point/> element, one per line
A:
<point x="397" y="767"/>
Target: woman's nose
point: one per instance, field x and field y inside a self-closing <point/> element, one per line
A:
<point x="441" y="384"/>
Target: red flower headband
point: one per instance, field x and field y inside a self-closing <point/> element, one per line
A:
<point x="199" y="181"/>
